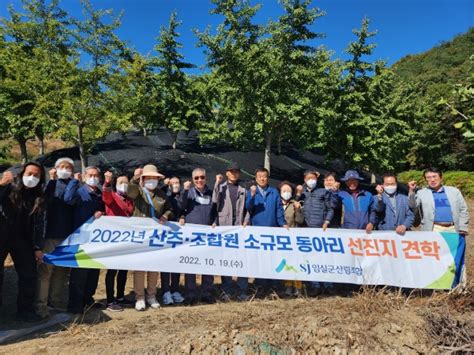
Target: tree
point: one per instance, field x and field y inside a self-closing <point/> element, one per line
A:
<point x="175" y="89"/>
<point x="87" y="114"/>
<point x="33" y="57"/>
<point x="262" y="72"/>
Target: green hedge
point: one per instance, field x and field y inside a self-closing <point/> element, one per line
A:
<point x="463" y="180"/>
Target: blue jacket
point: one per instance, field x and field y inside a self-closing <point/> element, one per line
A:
<point x="60" y="214"/>
<point x="317" y="206"/>
<point x="198" y="207"/>
<point x="390" y="219"/>
<point x="361" y="210"/>
<point x="265" y="210"/>
<point x="85" y="201"/>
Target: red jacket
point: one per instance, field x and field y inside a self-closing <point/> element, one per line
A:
<point x="116" y="205"/>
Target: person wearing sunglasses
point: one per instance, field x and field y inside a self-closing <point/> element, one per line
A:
<point x="198" y="208"/>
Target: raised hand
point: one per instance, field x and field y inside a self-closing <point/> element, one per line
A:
<point x="253" y="190"/>
<point x="219" y="179"/>
<point x="52" y="174"/>
<point x="108" y="177"/>
<point x="7" y="178"/>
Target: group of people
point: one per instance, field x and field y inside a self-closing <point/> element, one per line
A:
<point x="36" y="215"/>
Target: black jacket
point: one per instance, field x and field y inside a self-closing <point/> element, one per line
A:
<point x="18" y="226"/>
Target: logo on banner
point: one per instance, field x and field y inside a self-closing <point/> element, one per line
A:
<point x="283" y="266"/>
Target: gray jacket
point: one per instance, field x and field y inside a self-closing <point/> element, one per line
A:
<point x="221" y="198"/>
<point x="423" y="202"/>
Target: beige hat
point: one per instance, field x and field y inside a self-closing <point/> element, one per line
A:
<point x="151" y="170"/>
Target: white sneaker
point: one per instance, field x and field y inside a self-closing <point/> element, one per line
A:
<point x="167" y="298"/>
<point x="153" y="302"/>
<point x="140" y="305"/>
<point x="177" y="298"/>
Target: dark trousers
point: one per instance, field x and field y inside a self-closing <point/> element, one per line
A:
<point x="169" y="282"/>
<point x="110" y="284"/>
<point x="82" y="287"/>
<point x="227" y="284"/>
<point x="23" y="258"/>
<point x="191" y="288"/>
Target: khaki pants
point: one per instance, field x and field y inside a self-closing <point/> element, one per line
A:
<point x="139" y="284"/>
<point x="438" y="228"/>
<point x="463" y="279"/>
<point x="295" y="284"/>
<point x="52" y="282"/>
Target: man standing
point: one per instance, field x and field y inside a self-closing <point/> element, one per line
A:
<point x="318" y="211"/>
<point x="265" y="209"/>
<point x="198" y="208"/>
<point x="52" y="280"/>
<point x="87" y="202"/>
<point x="442" y="208"/>
<point x="229" y="198"/>
<point x="397" y="214"/>
<point x="360" y="207"/>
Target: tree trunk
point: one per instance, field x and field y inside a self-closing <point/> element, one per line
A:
<point x="268" y="150"/>
<point x="82" y="151"/>
<point x="23" y="150"/>
<point x="174" y="136"/>
<point x="279" y="146"/>
<point x="41" y="147"/>
<point x="144" y="131"/>
<point x="373" y="179"/>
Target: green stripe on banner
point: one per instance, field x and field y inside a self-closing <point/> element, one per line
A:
<point x="84" y="260"/>
<point x="445" y="281"/>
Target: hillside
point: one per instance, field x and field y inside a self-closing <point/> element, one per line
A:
<point x="436" y="70"/>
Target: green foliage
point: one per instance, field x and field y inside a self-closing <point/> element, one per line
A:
<point x="175" y="103"/>
<point x="443" y="80"/>
<point x="463" y="180"/>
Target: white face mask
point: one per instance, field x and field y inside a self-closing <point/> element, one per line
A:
<point x="151" y="184"/>
<point x="286" y="196"/>
<point x="92" y="181"/>
<point x="64" y="173"/>
<point x="311" y="183"/>
<point x="30" y="181"/>
<point x="122" y="188"/>
<point x="175" y="188"/>
<point x="390" y="189"/>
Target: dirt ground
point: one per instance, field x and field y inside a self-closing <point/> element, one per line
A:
<point x="374" y="320"/>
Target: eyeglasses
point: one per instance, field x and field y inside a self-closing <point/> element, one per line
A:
<point x="199" y="178"/>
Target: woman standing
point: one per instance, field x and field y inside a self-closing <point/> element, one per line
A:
<point x="22" y="223"/>
<point x="294" y="218"/>
<point x="116" y="204"/>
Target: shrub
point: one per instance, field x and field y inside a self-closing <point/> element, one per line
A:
<point x="463" y="180"/>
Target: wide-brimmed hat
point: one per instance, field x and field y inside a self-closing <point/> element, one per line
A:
<point x="151" y="170"/>
<point x="351" y="174"/>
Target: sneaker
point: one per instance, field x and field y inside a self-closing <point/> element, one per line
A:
<point x="289" y="291"/>
<point x="224" y="297"/>
<point x="29" y="317"/>
<point x="190" y="300"/>
<point x="208" y="298"/>
<point x="114" y="307"/>
<point x="140" y="305"/>
<point x="167" y="298"/>
<point x="243" y="297"/>
<point x="297" y="292"/>
<point x="177" y="298"/>
<point x="153" y="302"/>
<point x="124" y="302"/>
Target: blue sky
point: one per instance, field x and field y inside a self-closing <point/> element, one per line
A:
<point x="404" y="26"/>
